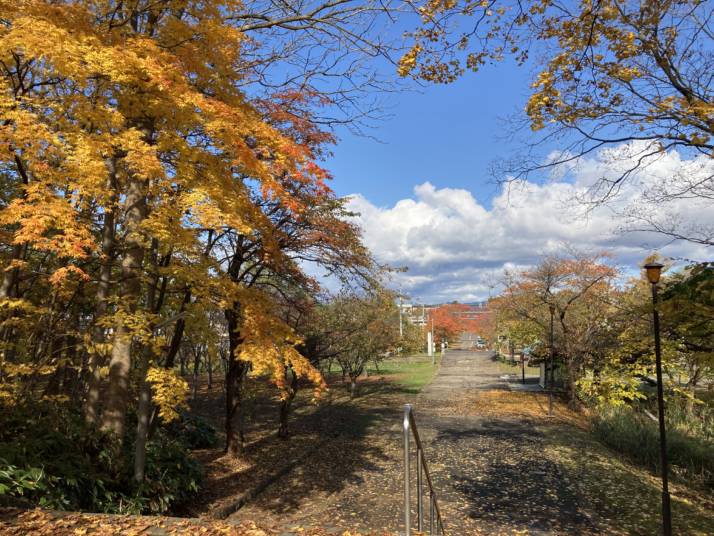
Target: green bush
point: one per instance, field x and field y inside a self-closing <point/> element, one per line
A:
<point x="70" y="464"/>
<point x="18" y="483"/>
<point x="172" y="476"/>
<point x="48" y="456"/>
<point x="692" y="419"/>
<point x="193" y="431"/>
<point x="627" y="431"/>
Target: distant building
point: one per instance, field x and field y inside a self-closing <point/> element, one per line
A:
<point x="474" y="312"/>
<point x="418" y="314"/>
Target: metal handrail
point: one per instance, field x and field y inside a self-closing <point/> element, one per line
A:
<point x="436" y="525"/>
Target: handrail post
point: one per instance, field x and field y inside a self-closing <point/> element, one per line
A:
<point x="407" y="516"/>
<point x="431" y="513"/>
<point x="420" y="505"/>
<point x="436" y="525"/>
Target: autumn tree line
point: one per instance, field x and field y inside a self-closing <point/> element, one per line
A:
<point x="603" y="348"/>
<point x="162" y="204"/>
<point x="602" y="332"/>
<point x="161" y="188"/>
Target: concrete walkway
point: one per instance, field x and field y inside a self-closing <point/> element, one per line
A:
<point x="489" y="476"/>
<point x="463" y="371"/>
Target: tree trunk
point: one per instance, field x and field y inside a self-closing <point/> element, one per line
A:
<point x="177" y="337"/>
<point x="9" y="283"/>
<point x="170" y="359"/>
<point x="286" y="404"/>
<point x="196" y="367"/>
<point x="55" y="381"/>
<point x="235" y="376"/>
<point x="54" y="385"/>
<point x="70" y="384"/>
<point x="572" y="384"/>
<point x="117" y="399"/>
<point x="353" y="386"/>
<point x="10" y="276"/>
<point x="235" y="436"/>
<point x="143" y="416"/>
<point x="98" y="355"/>
<point x="209" y="370"/>
<point x="144" y="407"/>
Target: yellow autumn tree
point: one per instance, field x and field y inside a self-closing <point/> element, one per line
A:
<point x="130" y="148"/>
<point x="609" y="71"/>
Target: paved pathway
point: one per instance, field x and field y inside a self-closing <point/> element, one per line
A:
<point x="462" y="371"/>
<point x="488" y="472"/>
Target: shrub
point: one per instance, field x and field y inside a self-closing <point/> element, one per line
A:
<point x="193" y="431"/>
<point x="48" y="456"/>
<point x="637" y="436"/>
<point x="172" y="477"/>
<point x="18" y="483"/>
<point x="69" y="465"/>
<point x="695" y="419"/>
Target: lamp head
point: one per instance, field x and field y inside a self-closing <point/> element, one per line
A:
<point x="654" y="271"/>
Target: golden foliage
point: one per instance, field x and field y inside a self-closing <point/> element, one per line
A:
<point x="143" y="117"/>
<point x="638" y="66"/>
<point x="169" y="391"/>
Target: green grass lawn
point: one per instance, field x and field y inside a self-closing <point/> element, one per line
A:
<point x="622" y="496"/>
<point x="411" y="373"/>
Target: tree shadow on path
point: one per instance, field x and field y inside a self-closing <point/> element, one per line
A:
<point x="329" y="487"/>
<point x="494" y="476"/>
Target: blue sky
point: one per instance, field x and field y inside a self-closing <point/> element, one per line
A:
<point x="428" y="203"/>
<point x="444" y="134"/>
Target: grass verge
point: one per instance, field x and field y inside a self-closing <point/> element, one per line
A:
<point x="691" y="457"/>
<point x="620" y="497"/>
<point x="410" y="373"/>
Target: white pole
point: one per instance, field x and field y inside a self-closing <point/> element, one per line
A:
<point x="432" y="342"/>
<point x="429" y="344"/>
<point x="401" y="329"/>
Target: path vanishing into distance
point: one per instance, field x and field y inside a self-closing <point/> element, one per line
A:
<point x="462" y="371"/>
<point x="487" y="471"/>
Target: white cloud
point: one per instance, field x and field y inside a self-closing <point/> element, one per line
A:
<point x="455" y="248"/>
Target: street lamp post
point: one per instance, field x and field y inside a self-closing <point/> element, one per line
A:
<point x="550" y="383"/>
<point x="654" y="271"/>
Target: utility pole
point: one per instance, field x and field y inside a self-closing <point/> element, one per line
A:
<point x="401" y="328"/>
<point x="433" y="342"/>
<point x="550" y="384"/>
